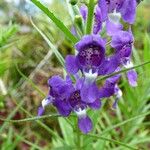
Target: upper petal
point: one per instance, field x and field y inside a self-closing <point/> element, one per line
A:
<point x="128" y="11"/>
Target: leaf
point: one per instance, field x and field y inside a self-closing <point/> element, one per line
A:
<point x="112" y="141"/>
<point x="57" y="22"/>
<point x="67" y="131"/>
<point x="124" y="122"/>
<point x="91" y="6"/>
<point x="53" y="48"/>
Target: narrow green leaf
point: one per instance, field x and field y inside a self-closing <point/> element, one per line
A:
<point x="31" y="119"/>
<point x="66" y="129"/>
<point x="91" y="6"/>
<point x="57" y="22"/>
<point x="122" y="71"/>
<point x="30" y="81"/>
<point x="124" y="122"/>
<point x="10" y="116"/>
<point x="53" y="48"/>
<point x="29" y="143"/>
<point x="111" y="140"/>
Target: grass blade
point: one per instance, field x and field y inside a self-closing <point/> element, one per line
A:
<point x="124" y="122"/>
<point x="122" y="71"/>
<point x="111" y="140"/>
<point x="30" y="81"/>
<point x="57" y="22"/>
<point x="56" y="52"/>
<point x="10" y="116"/>
<point x="30" y="119"/>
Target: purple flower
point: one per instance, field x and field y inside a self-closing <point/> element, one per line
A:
<point x="91" y="54"/>
<point x="67" y="97"/>
<point x="122" y="42"/>
<point x="58" y="94"/>
<point x="127" y="9"/>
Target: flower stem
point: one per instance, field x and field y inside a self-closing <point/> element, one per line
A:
<point x="90" y="16"/>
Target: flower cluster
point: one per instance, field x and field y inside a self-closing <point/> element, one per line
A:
<point x="91" y="61"/>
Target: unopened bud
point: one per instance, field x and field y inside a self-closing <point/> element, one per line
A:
<point x="73" y="2"/>
<point x="78" y="20"/>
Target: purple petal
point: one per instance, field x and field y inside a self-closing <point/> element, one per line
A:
<point x="79" y="83"/>
<point x="128" y="11"/>
<point x="113" y="28"/>
<point x="104" y="9"/>
<point x="107" y="91"/>
<point x="84" y="11"/>
<point x="40" y="111"/>
<point x="71" y="64"/>
<point x="109" y="65"/>
<point x="85" y="124"/>
<point x="132" y="78"/>
<point x="96" y="104"/>
<point x="90" y="39"/>
<point x="63" y="107"/>
<point x="109" y="87"/>
<point x="120" y="39"/>
<point x="60" y="87"/>
<point x="98" y="21"/>
<point x="89" y="93"/>
<point x="55" y="81"/>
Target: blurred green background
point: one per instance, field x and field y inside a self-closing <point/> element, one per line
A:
<point x="24" y="51"/>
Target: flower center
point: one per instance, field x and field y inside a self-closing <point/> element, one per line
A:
<point x="91" y="56"/>
<point x="75" y="100"/>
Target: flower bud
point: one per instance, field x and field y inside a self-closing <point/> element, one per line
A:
<point x="78" y="20"/>
<point x="73" y="2"/>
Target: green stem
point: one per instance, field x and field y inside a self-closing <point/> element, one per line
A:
<point x="91" y="6"/>
<point x="30" y="119"/>
<point x="122" y="71"/>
